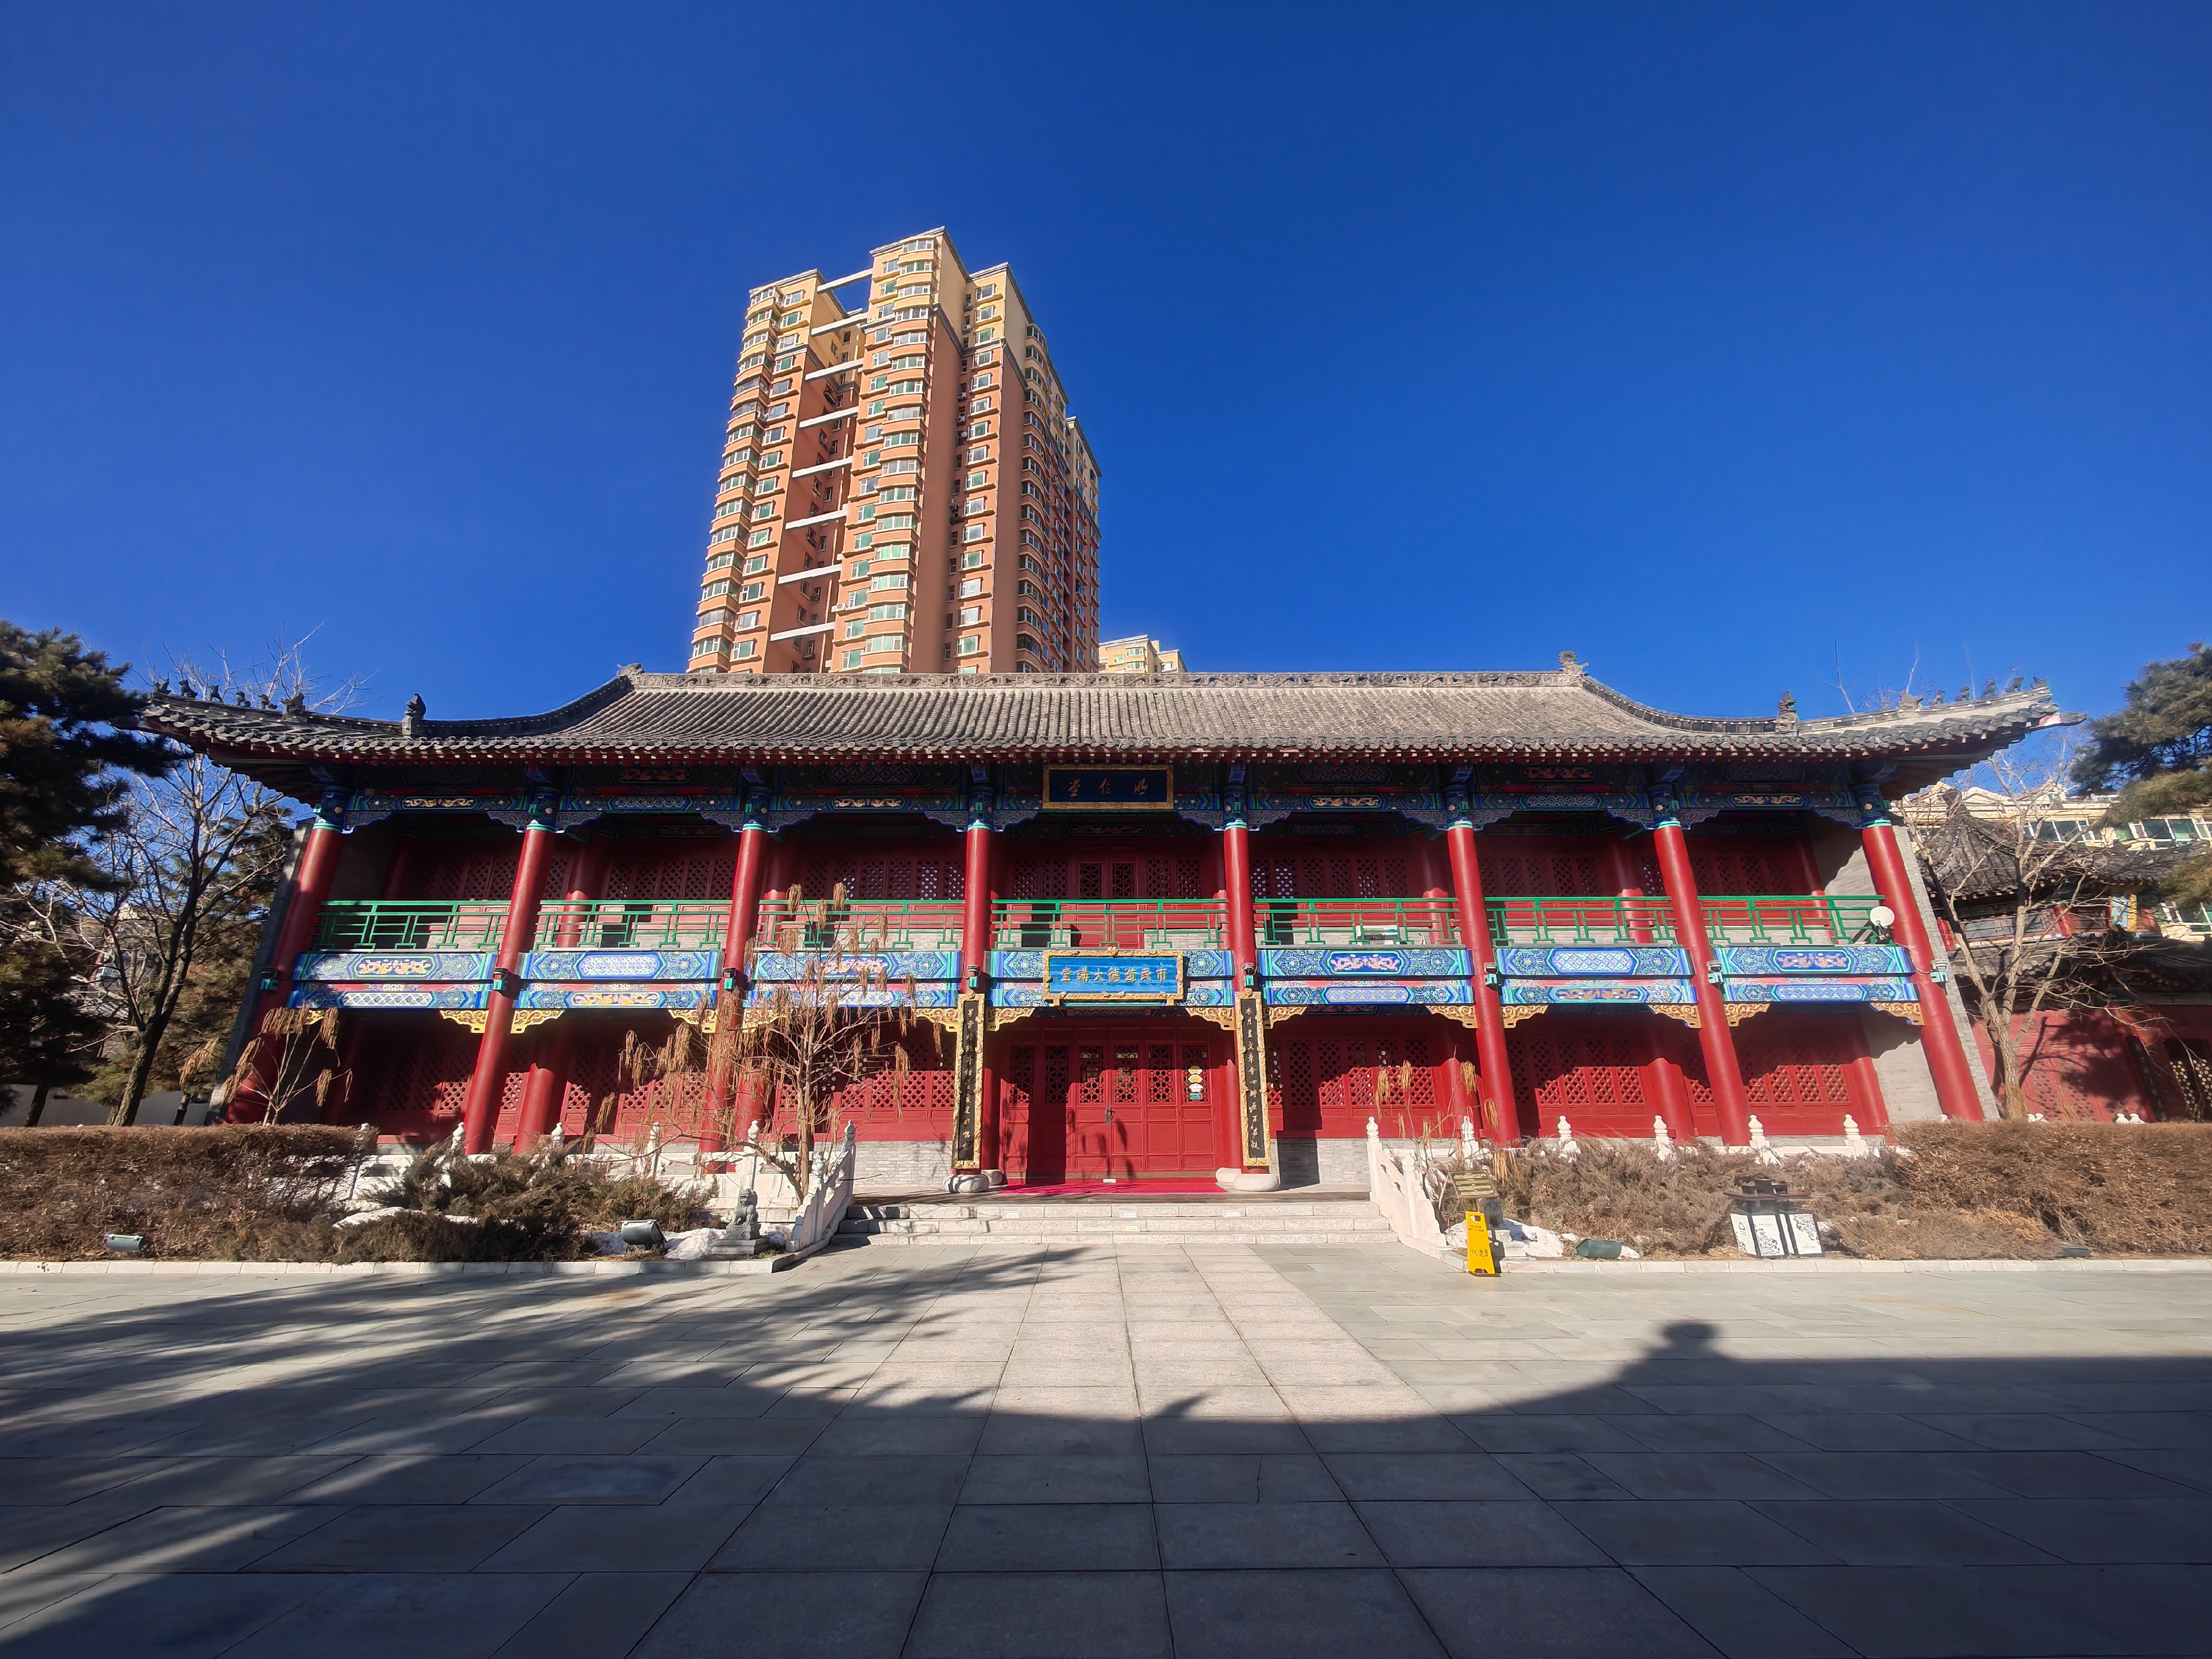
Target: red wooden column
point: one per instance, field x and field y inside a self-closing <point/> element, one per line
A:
<point x="1670" y="1094"/>
<point x="1939" y="1035"/>
<point x="1730" y="1104"/>
<point x="975" y="908"/>
<point x="1237" y="879"/>
<point x="730" y="998"/>
<point x="1491" y="1058"/>
<point x="549" y="1072"/>
<point x="309" y="886"/>
<point x="480" y="1106"/>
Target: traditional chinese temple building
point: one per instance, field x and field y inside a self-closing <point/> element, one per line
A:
<point x="1159" y="925"/>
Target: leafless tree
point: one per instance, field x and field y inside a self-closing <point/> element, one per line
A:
<point x="2030" y="905"/>
<point x="189" y="872"/>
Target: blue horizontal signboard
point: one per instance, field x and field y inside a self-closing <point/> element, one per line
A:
<point x="1112" y="788"/>
<point x="1101" y="976"/>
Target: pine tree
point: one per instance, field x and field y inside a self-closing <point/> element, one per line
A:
<point x="2157" y="749"/>
<point x="65" y="752"/>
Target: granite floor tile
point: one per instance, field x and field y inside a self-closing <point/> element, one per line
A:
<point x="597" y="1615"/>
<point x="404" y="1538"/>
<point x="1476" y="1533"/>
<point x="425" y="1615"/>
<point x="1585" y="1612"/>
<point x="987" y="1538"/>
<point x="1666" y="1533"/>
<point x="1264" y="1536"/>
<point x="1042" y="1615"/>
<point x="1295" y="1616"/>
<point x="790" y="1537"/>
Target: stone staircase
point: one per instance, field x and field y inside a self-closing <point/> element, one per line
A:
<point x="1239" y="1219"/>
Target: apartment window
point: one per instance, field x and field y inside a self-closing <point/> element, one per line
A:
<point x="971" y="586"/>
<point x="895" y="578"/>
<point x="789" y="360"/>
<point x="729" y="509"/>
<point x="980" y="453"/>
<point x="978" y="480"/>
<point x="729" y="535"/>
<point x="855" y="628"/>
<point x="901" y="440"/>
<point x="775" y="413"/>
<point x="707" y="648"/>
<point x="975" y="533"/>
<point x="1023" y="614"/>
<point x="980" y="429"/>
<point x="972" y="647"/>
<point x="714" y="589"/>
<point x="987" y="314"/>
<point x="774" y="456"/>
<point x="851" y="660"/>
<point x="989" y="291"/>
<point x="982" y="334"/>
<point x="886" y="613"/>
<point x="980" y="382"/>
<point x="972" y="560"/>
<point x="746" y="648"/>
<point x="756" y="564"/>
<point x="1029" y="590"/>
<point x="751" y="592"/>
<point x="901" y="466"/>
<point x="980" y="404"/>
<point x="970" y="615"/>
<point x="877" y="407"/>
<point x="748" y="619"/>
<point x="760" y="537"/>
<point x="765" y="510"/>
<point x="898" y="493"/>
<point x="721" y="561"/>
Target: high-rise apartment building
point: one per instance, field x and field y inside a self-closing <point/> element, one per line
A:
<point x="903" y="490"/>
<point x="1139" y="653"/>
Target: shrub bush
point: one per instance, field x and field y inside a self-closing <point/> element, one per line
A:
<point x="1949" y="1191"/>
<point x="273" y="1193"/>
<point x="249" y="1192"/>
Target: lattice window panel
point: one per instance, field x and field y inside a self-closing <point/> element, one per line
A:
<point x="2192" y="1061"/>
<point x="1173" y="879"/>
<point x="658" y="873"/>
<point x="888" y="1095"/>
<point x="1744" y="867"/>
<point x="471" y="874"/>
<point x="1040" y="878"/>
<point x="1523" y="872"/>
<point x="1573" y="1072"/>
<point x="1785" y="1064"/>
<point x="874" y="875"/>
<point x="1056" y="1076"/>
<point x="1019" y="1079"/>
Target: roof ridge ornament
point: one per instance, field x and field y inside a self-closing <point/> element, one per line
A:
<point x="1569" y="665"/>
<point x="1785" y="713"/>
<point x="411" y="718"/>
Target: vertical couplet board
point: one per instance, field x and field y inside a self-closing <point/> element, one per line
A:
<point x="968" y="1082"/>
<point x="1252" y="1078"/>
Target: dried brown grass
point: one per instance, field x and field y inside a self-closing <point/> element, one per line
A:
<point x="1960" y="1191"/>
<point x="273" y="1193"/>
<point x="249" y="1192"/>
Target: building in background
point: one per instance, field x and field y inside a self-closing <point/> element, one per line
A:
<point x="1138" y="655"/>
<point x="902" y="489"/>
<point x="2055" y="931"/>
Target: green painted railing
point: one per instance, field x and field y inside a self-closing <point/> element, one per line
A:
<point x="858" y="927"/>
<point x="408" y="925"/>
<point x="1102" y="924"/>
<point x="632" y="925"/>
<point x="1731" y="919"/>
<point x="1421" y="921"/>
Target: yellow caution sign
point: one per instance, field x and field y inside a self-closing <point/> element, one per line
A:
<point x="1481" y="1259"/>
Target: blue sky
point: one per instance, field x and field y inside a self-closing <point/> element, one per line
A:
<point x="1718" y="344"/>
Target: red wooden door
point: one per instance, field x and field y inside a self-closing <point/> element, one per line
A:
<point x="1111" y="1102"/>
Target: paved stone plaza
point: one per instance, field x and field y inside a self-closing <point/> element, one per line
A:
<point x="1142" y="1450"/>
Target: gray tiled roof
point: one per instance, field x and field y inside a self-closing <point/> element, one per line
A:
<point x="791" y="718"/>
